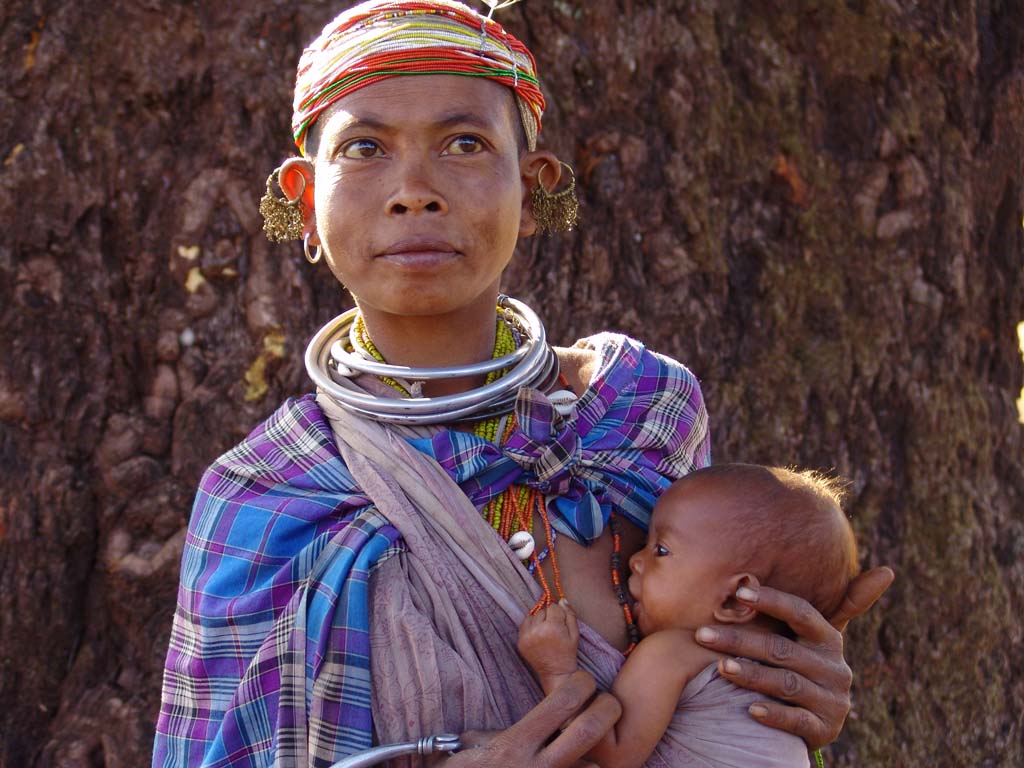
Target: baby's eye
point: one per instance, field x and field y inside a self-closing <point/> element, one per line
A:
<point x="660" y="551"/>
<point x="362" y="149"/>
<point x="465" y="145"/>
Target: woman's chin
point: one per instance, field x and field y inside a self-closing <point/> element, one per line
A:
<point x="424" y="301"/>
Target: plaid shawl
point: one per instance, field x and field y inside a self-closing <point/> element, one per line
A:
<point x="268" y="661"/>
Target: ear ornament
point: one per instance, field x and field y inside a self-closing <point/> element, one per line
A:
<point x="282" y="218"/>
<point x="313" y="257"/>
<point x="555" y="211"/>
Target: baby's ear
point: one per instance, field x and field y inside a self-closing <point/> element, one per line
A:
<point x="731" y="610"/>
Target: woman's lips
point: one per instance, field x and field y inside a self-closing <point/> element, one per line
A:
<point x="419" y="253"/>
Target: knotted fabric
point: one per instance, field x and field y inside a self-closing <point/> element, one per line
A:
<point x="546" y="444"/>
<point x="269" y="660"/>
<point x="640" y="423"/>
<point x="381" y="39"/>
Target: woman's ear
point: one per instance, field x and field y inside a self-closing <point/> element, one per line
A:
<point x="537" y="167"/>
<point x="296" y="181"/>
<point x="731" y="610"/>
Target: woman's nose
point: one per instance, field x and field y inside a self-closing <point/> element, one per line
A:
<point x="416" y="191"/>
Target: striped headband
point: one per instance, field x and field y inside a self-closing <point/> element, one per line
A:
<point x="380" y="39"/>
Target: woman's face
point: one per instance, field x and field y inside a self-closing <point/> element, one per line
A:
<point x="420" y="192"/>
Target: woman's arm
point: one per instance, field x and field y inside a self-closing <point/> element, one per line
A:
<point x="809" y="672"/>
<point x="526" y="744"/>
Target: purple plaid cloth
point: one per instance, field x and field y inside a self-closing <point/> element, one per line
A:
<point x="269" y="654"/>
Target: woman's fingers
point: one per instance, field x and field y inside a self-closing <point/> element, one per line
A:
<point x="816" y="713"/>
<point x="815" y="681"/>
<point x="523" y="744"/>
<point x="802" y="617"/>
<point x="785" y="684"/>
<point x="795" y="720"/>
<point x="583" y="733"/>
<point x="558" y="706"/>
<point x="862" y="593"/>
<point x="810" y="672"/>
<point x="776" y="650"/>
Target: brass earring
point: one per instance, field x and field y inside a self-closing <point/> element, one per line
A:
<point x="555" y="211"/>
<point x="282" y="218"/>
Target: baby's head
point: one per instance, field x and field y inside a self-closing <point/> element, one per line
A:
<point x="734" y="525"/>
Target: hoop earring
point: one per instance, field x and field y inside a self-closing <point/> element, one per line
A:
<point x="312" y="258"/>
<point x="558" y="211"/>
<point x="282" y="218"/>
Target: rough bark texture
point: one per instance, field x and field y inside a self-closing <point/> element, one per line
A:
<point x="817" y="205"/>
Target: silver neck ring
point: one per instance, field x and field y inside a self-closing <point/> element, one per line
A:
<point x="334" y="369"/>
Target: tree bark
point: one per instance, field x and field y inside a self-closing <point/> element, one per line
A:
<point x="815" y="204"/>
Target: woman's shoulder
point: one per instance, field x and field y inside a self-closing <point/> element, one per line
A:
<point x="293" y="445"/>
<point x="293" y="422"/>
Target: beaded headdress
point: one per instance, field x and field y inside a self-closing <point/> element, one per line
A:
<point x="380" y="39"/>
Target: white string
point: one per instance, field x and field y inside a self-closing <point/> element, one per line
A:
<point x="497" y="5"/>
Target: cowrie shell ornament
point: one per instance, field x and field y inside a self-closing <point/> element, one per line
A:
<point x="564" y="402"/>
<point x="522" y="544"/>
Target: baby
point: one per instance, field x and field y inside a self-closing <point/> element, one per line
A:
<point x="715" y="531"/>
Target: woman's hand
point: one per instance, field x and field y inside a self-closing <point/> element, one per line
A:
<point x="526" y="743"/>
<point x="810" y="672"/>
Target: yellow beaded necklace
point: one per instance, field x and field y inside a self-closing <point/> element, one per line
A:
<point x="503" y="511"/>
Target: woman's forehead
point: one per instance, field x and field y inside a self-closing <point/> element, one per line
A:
<point x="424" y="102"/>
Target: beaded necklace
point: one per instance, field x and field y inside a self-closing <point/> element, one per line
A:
<point x="620" y="593"/>
<point x="517" y="505"/>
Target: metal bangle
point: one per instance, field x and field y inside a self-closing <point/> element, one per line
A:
<point x="442" y="742"/>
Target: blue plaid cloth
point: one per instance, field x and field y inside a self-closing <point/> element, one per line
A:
<point x="269" y="658"/>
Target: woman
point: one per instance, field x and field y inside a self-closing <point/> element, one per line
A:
<point x="342" y="580"/>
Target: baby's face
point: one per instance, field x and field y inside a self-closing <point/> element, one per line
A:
<point x="682" y="574"/>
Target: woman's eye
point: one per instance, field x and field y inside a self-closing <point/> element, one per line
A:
<point x="465" y="145"/>
<point x="361" y="149"/>
<point x="660" y="551"/>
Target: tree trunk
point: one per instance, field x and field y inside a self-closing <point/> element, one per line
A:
<point x="815" y="204"/>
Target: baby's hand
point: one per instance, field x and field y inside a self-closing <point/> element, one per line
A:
<point x="548" y="641"/>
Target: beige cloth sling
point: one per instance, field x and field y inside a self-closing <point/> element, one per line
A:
<point x="444" y="618"/>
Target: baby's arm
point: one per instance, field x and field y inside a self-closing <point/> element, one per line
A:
<point x="548" y="641"/>
<point x="648" y="687"/>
